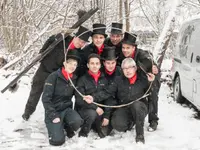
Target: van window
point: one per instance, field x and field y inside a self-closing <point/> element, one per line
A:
<point x="195" y="43"/>
<point x="185" y="41"/>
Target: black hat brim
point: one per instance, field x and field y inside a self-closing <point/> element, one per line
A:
<point x="105" y="35"/>
<point x="109" y="58"/>
<point x="129" y="43"/>
<point x="74" y="57"/>
<point x="116" y="32"/>
<point x="82" y="38"/>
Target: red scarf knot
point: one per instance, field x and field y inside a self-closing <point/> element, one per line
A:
<point x="100" y="49"/>
<point x="95" y="76"/>
<point x="64" y="72"/>
<point x="133" y="79"/>
<point x="110" y="72"/>
<point x="72" y="46"/>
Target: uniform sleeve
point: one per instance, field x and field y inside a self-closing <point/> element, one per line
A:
<point x="144" y="60"/>
<point x="79" y="100"/>
<point x="47" y="96"/>
<point x="49" y="41"/>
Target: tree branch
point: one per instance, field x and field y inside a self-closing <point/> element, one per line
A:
<point x="50" y="8"/>
<point x="29" y="44"/>
<point x="147" y="17"/>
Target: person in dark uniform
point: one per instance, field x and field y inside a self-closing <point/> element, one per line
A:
<point x="111" y="71"/>
<point x="98" y="37"/>
<point x="153" y="100"/>
<point x="57" y="101"/>
<point x="110" y="68"/>
<point x="116" y="36"/>
<point x="127" y="88"/>
<point x="51" y="63"/>
<point x="144" y="63"/>
<point x="93" y="81"/>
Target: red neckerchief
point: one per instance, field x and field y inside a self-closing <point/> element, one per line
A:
<point x="71" y="45"/>
<point x="100" y="49"/>
<point x="133" y="55"/>
<point x="95" y="76"/>
<point x="133" y="79"/>
<point x="110" y="72"/>
<point x="64" y="72"/>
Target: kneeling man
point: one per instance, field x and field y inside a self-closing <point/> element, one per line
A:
<point x="56" y="98"/>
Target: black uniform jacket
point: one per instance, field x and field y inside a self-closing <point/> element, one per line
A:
<point x="57" y="93"/>
<point x="54" y="60"/>
<point x="111" y="78"/>
<point x="87" y="86"/>
<point x="123" y="90"/>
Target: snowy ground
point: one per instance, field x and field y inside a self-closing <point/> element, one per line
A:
<point x="177" y="130"/>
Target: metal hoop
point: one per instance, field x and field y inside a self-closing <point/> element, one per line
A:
<point x="98" y="104"/>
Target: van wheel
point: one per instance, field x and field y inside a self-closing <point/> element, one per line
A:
<point x="177" y="91"/>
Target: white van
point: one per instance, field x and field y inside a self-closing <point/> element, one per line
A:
<point x="186" y="66"/>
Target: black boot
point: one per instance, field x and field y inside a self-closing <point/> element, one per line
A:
<point x="26" y="116"/>
<point x="131" y="125"/>
<point x="84" y="132"/>
<point x="97" y="127"/>
<point x="140" y="138"/>
<point x="70" y="132"/>
<point x="104" y="131"/>
<point x="153" y="126"/>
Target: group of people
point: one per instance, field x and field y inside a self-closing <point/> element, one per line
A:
<point x="110" y="71"/>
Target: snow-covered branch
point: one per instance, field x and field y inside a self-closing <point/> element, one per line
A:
<point x="161" y="47"/>
<point x="30" y="43"/>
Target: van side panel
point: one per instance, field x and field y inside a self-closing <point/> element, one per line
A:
<point x="183" y="58"/>
<point x="195" y="42"/>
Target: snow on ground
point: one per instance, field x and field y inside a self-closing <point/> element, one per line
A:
<point x="177" y="130"/>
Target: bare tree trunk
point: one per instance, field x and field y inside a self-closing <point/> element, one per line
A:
<point x="104" y="11"/>
<point x="164" y="48"/>
<point x="127" y="13"/>
<point x="120" y="11"/>
<point x="99" y="12"/>
<point x="92" y="6"/>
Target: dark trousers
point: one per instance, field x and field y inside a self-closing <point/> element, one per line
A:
<point x="124" y="117"/>
<point x="89" y="116"/>
<point x="36" y="90"/>
<point x="153" y="102"/>
<point x="69" y="117"/>
<point x="93" y="121"/>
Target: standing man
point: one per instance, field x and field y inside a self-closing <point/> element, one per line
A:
<point x="57" y="102"/>
<point x="51" y="63"/>
<point x="153" y="100"/>
<point x="145" y="64"/>
<point x="92" y="82"/>
<point x="129" y="49"/>
<point x="116" y="36"/>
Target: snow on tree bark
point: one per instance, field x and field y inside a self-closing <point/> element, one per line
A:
<point x="163" y="41"/>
